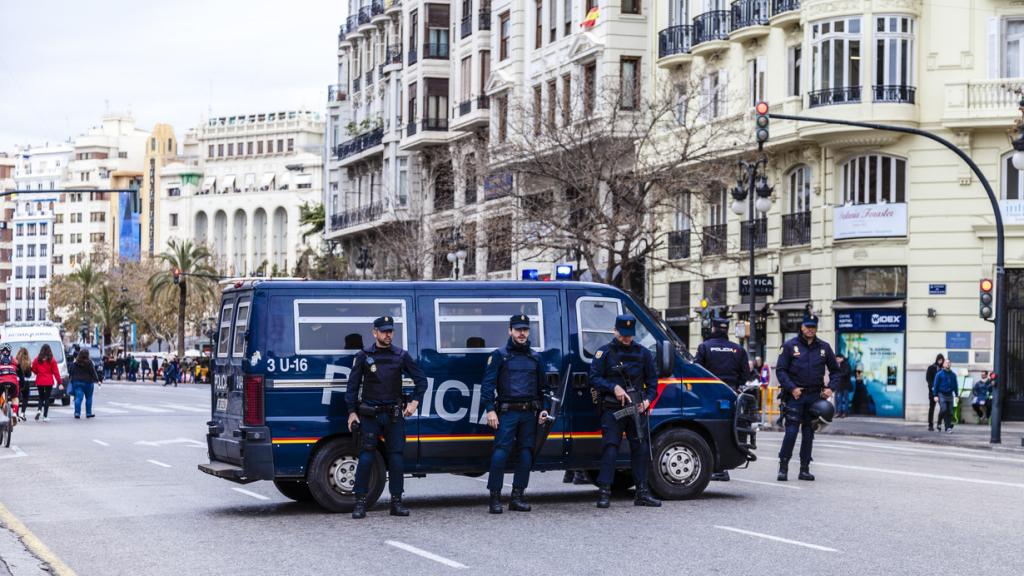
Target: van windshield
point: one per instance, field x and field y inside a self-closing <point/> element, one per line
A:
<point x="33" y="348"/>
<point x="679" y="344"/>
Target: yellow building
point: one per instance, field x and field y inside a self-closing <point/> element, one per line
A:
<point x="161" y="149"/>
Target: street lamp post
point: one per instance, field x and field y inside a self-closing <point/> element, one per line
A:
<point x="751" y="184"/>
<point x="125" y="325"/>
<point x="458" y="256"/>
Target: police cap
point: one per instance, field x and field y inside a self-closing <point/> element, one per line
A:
<point x="519" y="321"/>
<point x="625" y="324"/>
<point x="384" y="323"/>
<point x="810" y="320"/>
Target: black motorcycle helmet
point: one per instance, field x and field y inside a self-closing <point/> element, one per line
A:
<point x="821" y="411"/>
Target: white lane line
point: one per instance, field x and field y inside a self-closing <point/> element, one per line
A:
<point x="777" y="539"/>
<point x="142" y="408"/>
<point x="15" y="453"/>
<point x="922" y="475"/>
<point x="484" y="480"/>
<point x="425" y="554"/>
<point x="100" y="442"/>
<point x="248" y="493"/>
<point x="956" y="453"/>
<point x="186" y="408"/>
<point x="108" y="410"/>
<point x="772" y="484"/>
<point x="159" y="463"/>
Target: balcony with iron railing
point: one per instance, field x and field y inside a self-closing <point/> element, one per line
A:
<point x="750" y="19"/>
<point x="830" y="96"/>
<point x="364" y="15"/>
<point x="470" y="115"/>
<point x="785" y="12"/>
<point x="359" y="144"/>
<point x="336" y="93"/>
<point x="341" y="34"/>
<point x="796" y="229"/>
<point x="434" y="124"/>
<point x="392" y="6"/>
<point x="897" y="94"/>
<point x="436" y="50"/>
<point x="413" y="56"/>
<point x="711" y="32"/>
<point x="760" y="234"/>
<point x="678" y="244"/>
<point x="368" y="78"/>
<point x="393" y="55"/>
<point x="377" y="8"/>
<point x="466" y="27"/>
<point x="715" y="239"/>
<point x="674" y="45"/>
<point x="357" y="216"/>
<point x="351" y="24"/>
<point x="410" y="129"/>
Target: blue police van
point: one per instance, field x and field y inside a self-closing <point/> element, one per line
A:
<point x="285" y="348"/>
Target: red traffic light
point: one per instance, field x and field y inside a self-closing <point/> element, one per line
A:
<point x="986" y="285"/>
<point x="761" y="107"/>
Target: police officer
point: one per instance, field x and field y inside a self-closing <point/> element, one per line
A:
<point x="379" y="411"/>
<point x="514" y="372"/>
<point x="726" y="360"/>
<point x="620" y="367"/>
<point x="801" y="373"/>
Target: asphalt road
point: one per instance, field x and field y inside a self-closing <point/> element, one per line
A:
<point x="120" y="494"/>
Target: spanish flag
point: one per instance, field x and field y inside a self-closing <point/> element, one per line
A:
<point x="591" y="18"/>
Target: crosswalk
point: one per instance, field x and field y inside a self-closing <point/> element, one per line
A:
<point x="150" y="408"/>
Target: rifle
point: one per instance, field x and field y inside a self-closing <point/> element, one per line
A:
<point x="641" y="420"/>
<point x="545" y="429"/>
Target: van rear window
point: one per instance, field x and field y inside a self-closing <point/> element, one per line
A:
<point x="343" y="326"/>
<point x="241" y="323"/>
<point x="481" y="325"/>
<point x="225" y="331"/>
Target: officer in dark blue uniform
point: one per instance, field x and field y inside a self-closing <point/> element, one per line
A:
<point x="620" y="367"/>
<point x="801" y="373"/>
<point x="375" y="404"/>
<point x="726" y="360"/>
<point x="514" y="372"/>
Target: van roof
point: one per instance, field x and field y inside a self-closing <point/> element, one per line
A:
<point x="509" y="285"/>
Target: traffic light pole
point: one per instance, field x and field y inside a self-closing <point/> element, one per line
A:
<point x="1000" y="322"/>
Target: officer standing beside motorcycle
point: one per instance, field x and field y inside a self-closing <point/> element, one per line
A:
<point x="379" y="411"/>
<point x="801" y="373"/>
<point x="514" y="373"/>
<point x="726" y="360"/>
<point x="619" y="368"/>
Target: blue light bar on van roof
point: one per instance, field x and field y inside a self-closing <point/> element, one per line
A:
<point x="563" y="272"/>
<point x="531" y="274"/>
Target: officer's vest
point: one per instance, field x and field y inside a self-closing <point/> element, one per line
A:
<point x="518" y="376"/>
<point x="632" y="359"/>
<point x="382" y="377"/>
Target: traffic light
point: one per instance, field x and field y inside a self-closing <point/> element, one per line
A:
<point x="176" y="272"/>
<point x="985" y="299"/>
<point x="761" y="123"/>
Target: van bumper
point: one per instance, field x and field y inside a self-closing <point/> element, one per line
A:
<point x="729" y="453"/>
<point x="246" y="457"/>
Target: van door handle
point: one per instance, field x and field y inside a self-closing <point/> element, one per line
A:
<point x="553" y="382"/>
<point x="580" y="380"/>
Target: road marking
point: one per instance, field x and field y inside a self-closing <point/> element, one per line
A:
<point x="100" y="442"/>
<point x="958" y="453"/>
<point x="108" y="410"/>
<point x="188" y="441"/>
<point x="159" y="463"/>
<point x="772" y="484"/>
<point x="34" y="544"/>
<point x="187" y="408"/>
<point x="248" y="493"/>
<point x="484" y="480"/>
<point x="923" y="475"/>
<point x="777" y="539"/>
<point x="141" y="408"/>
<point x="425" y="554"/>
<point x="15" y="453"/>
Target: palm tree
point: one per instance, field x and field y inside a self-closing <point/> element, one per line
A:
<point x="311" y="215"/>
<point x="87" y="278"/>
<point x="193" y="262"/>
<point x="108" y="311"/>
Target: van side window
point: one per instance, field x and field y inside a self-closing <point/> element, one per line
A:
<point x="344" y="326"/>
<point x="595" y="319"/>
<point x="481" y="324"/>
<point x="225" y="331"/>
<point x="643" y="335"/>
<point x="241" y="323"/>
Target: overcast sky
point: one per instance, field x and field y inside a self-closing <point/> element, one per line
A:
<point x="64" y="63"/>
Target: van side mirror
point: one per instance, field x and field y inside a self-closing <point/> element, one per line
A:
<point x="665" y="354"/>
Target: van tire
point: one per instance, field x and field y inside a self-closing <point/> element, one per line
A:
<point x="682" y="464"/>
<point x="323" y="471"/>
<point x="296" y="490"/>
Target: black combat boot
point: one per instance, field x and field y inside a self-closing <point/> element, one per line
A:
<point x="397" y="508"/>
<point x="604" y="497"/>
<point x="805" y="473"/>
<point x="783" y="470"/>
<point x="495" y="503"/>
<point x="517" y="502"/>
<point x="359" y="512"/>
<point x="644" y="498"/>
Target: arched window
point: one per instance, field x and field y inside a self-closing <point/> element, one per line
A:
<point x="798" y="189"/>
<point x="874" y="179"/>
<point x="1012" y="183"/>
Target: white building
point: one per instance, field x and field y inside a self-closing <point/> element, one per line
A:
<point x="238" y="188"/>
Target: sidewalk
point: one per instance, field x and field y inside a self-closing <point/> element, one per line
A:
<point x="963" y="436"/>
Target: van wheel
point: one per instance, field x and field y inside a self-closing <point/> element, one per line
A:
<point x="332" y="476"/>
<point x="682" y="464"/>
<point x="296" y="490"/>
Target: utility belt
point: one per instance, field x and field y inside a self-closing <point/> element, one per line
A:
<point x="805" y="390"/>
<point x="392" y="410"/>
<point x="533" y="405"/>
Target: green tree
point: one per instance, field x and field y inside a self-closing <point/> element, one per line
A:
<point x="196" y="272"/>
<point x="108" y="311"/>
<point x="312" y="215"/>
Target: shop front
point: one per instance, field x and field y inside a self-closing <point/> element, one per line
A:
<point x="874" y="342"/>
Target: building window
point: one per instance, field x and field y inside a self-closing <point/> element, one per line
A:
<point x="270" y="146"/>
<point x="755" y="79"/>
<point x="220" y="150"/>
<point x="678" y="294"/>
<point x="894" y="59"/>
<point x="874" y="179"/>
<point x="209" y="153"/>
<point x="403" y="181"/>
<point x="280" y="145"/>
<point x="717" y="213"/>
<point x="538" y="37"/>
<point x="1013" y="48"/>
<point x="716" y="291"/>
<point x="174" y="220"/>
<point x="566" y="99"/>
<point x="629" y="88"/>
<point x="231" y="149"/>
<point x="502" y="118"/>
<point x="499" y="244"/>
<point x="798" y="188"/>
<point x="552" y="103"/>
<point x="835" y="47"/>
<point x="465" y="79"/>
<point x="1013" y="184"/>
<point x="469" y="170"/>
<point x="877" y="282"/>
<point x="796" y="285"/>
<point x="795" y="59"/>
<point x="630" y="6"/>
<point x="248" y="148"/>
<point x="589" y="88"/>
<point x="567" y="17"/>
<point x="714" y="94"/>
<point x="437" y="31"/>
<point x="538" y="113"/>
<point x="505" y="31"/>
<point x="553" y="20"/>
<point x="485" y="70"/>
<point x="413" y="31"/>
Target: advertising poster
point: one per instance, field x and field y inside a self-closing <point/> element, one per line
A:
<point x="880" y="357"/>
<point x="130" y="231"/>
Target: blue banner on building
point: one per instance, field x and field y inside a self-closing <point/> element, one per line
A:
<point x="873" y="342"/>
<point x="129" y="232"/>
<point x="878" y="320"/>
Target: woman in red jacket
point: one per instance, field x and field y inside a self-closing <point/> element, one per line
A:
<point x="47" y="374"/>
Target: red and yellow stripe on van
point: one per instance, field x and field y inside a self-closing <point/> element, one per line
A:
<point x="688" y="382"/>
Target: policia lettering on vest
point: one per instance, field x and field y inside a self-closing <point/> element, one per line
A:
<point x="624" y="373"/>
<point x="514" y="374"/>
<point x="377" y="408"/>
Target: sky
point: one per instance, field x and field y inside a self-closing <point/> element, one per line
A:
<point x="63" y="64"/>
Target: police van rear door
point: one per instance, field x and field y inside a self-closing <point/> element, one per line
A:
<point x="227" y="394"/>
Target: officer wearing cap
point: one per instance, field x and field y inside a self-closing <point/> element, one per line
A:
<point x="514" y="372"/>
<point x="620" y="367"/>
<point x="726" y="360"/>
<point x="375" y="405"/>
<point x="801" y="373"/>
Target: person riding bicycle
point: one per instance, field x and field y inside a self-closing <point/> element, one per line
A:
<point x="9" y="377"/>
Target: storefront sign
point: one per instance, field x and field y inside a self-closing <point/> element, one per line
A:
<point x="958" y="340"/>
<point x="764" y="285"/>
<point x="869" y="221"/>
<point x="936" y="289"/>
<point x="1013" y="211"/>
<point x="880" y="320"/>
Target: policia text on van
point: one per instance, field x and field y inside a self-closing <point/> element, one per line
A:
<point x="286" y="348"/>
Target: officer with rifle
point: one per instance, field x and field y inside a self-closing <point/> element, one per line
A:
<point x="376" y="408"/>
<point x="624" y="373"/>
<point x="514" y="373"/>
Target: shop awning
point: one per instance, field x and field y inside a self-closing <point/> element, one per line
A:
<point x="303" y="180"/>
<point x="267" y="181"/>
<point x="793" y="305"/>
<point x="208" y="183"/>
<point x="227" y="183"/>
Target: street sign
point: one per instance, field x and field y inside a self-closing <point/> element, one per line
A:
<point x="764" y="285"/>
<point x="936" y="289"/>
<point x="958" y="340"/>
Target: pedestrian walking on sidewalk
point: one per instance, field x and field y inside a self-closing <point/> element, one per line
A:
<point x="845" y="387"/>
<point x="929" y="376"/>
<point x="47" y="376"/>
<point x="944" y="391"/>
<point x="84" y="377"/>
